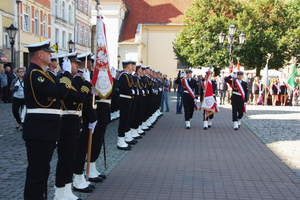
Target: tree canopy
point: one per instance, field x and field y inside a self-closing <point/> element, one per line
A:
<point x="271" y="26"/>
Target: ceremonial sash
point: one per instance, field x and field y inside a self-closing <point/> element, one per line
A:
<point x="276" y="87"/>
<point x="258" y="86"/>
<point x="190" y="91"/>
<point x="242" y="92"/>
<point x="268" y="91"/>
<point x="284" y="84"/>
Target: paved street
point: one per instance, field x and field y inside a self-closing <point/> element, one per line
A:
<point x="171" y="162"/>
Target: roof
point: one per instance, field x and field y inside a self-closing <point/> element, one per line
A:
<point x="151" y="12"/>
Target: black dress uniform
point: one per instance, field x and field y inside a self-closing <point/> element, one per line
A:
<point x="188" y="101"/>
<point x="70" y="129"/>
<point x="149" y="100"/>
<point x="237" y="101"/>
<point x="146" y="92"/>
<point x="42" y="122"/>
<point x="125" y="102"/>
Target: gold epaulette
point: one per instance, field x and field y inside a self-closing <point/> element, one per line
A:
<point x="66" y="81"/>
<point x="85" y="89"/>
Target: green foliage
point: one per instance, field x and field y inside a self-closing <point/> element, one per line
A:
<point x="271" y="26"/>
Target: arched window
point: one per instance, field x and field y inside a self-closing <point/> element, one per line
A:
<point x="55" y="8"/>
<point x="63" y="10"/>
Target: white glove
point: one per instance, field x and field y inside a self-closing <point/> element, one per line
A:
<point x="143" y="92"/>
<point x="233" y="75"/>
<point x="132" y="92"/>
<point x="113" y="72"/>
<point x="160" y="89"/>
<point x="137" y="92"/>
<point x="182" y="74"/>
<point x="86" y="75"/>
<point x="92" y="125"/>
<point x="195" y="101"/>
<point x="245" y="104"/>
<point x="94" y="92"/>
<point x="66" y="65"/>
<point x="147" y="91"/>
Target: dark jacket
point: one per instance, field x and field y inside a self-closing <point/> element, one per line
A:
<point x="235" y="97"/>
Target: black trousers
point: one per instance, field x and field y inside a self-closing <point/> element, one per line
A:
<point x="16" y="104"/>
<point x="188" y="105"/>
<point x="39" y="155"/>
<point x="5" y="94"/>
<point x="133" y="112"/>
<point x="66" y="153"/>
<point x="81" y="149"/>
<point x="138" y="116"/>
<point x="125" y="106"/>
<point x="144" y="108"/>
<point x="237" y="110"/>
<point x="97" y="142"/>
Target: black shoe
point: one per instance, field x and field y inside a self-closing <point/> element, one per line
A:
<point x="187" y="127"/>
<point x="124" y="148"/>
<point x="132" y="142"/>
<point x="209" y="126"/>
<point x="103" y="176"/>
<point x="84" y="190"/>
<point x="235" y="129"/>
<point x="96" y="179"/>
<point x="92" y="186"/>
<point x="205" y="128"/>
<point x="139" y="137"/>
<point x="143" y="133"/>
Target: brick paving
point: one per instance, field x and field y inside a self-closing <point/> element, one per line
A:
<point x="171" y="162"/>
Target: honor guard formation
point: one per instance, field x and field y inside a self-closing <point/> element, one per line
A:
<point x="65" y="111"/>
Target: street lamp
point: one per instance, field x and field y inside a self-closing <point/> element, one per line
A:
<point x="119" y="58"/>
<point x="12" y="31"/>
<point x="231" y="39"/>
<point x="71" y="46"/>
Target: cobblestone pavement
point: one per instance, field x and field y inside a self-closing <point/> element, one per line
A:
<point x="277" y="127"/>
<point x="13" y="160"/>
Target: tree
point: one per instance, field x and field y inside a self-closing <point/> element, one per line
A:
<point x="269" y="26"/>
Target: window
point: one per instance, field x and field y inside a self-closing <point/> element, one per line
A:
<point x="6" y="40"/>
<point x="83" y="5"/>
<point x="78" y="33"/>
<point x="78" y="4"/>
<point x="36" y="22"/>
<point x="64" y="39"/>
<point x="88" y="7"/>
<point x="56" y="35"/>
<point x="70" y="16"/>
<point x="83" y="35"/>
<point x="44" y="26"/>
<point x="55" y="8"/>
<point x="26" y="18"/>
<point x="63" y="10"/>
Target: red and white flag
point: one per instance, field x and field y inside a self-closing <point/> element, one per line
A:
<point x="102" y="79"/>
<point x="231" y="67"/>
<point x="209" y="103"/>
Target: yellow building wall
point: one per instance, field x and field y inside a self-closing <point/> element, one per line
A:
<point x="158" y="51"/>
<point x="6" y="5"/>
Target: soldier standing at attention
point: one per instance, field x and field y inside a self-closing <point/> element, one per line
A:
<point x="43" y="118"/>
<point x="189" y="95"/>
<point x="125" y="101"/>
<point x="69" y="132"/>
<point x="238" y="97"/>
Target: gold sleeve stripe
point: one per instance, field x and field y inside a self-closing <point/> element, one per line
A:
<point x="66" y="81"/>
<point x="85" y="89"/>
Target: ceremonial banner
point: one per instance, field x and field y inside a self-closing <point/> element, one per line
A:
<point x="55" y="47"/>
<point x="102" y="80"/>
<point x="231" y="67"/>
<point x="293" y="82"/>
<point x="238" y="66"/>
<point x="209" y="103"/>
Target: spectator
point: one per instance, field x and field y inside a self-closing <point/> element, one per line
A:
<point x="174" y="85"/>
<point x="17" y="88"/>
<point x="4" y="86"/>
<point x="165" y="94"/>
<point x="170" y="83"/>
<point x="9" y="80"/>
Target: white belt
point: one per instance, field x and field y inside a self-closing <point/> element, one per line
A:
<point x="237" y="93"/>
<point x="125" y="96"/>
<point x="185" y="91"/>
<point x="72" y="112"/>
<point x="44" y="111"/>
<point x="104" y="101"/>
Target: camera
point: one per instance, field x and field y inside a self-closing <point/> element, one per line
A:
<point x="16" y="88"/>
